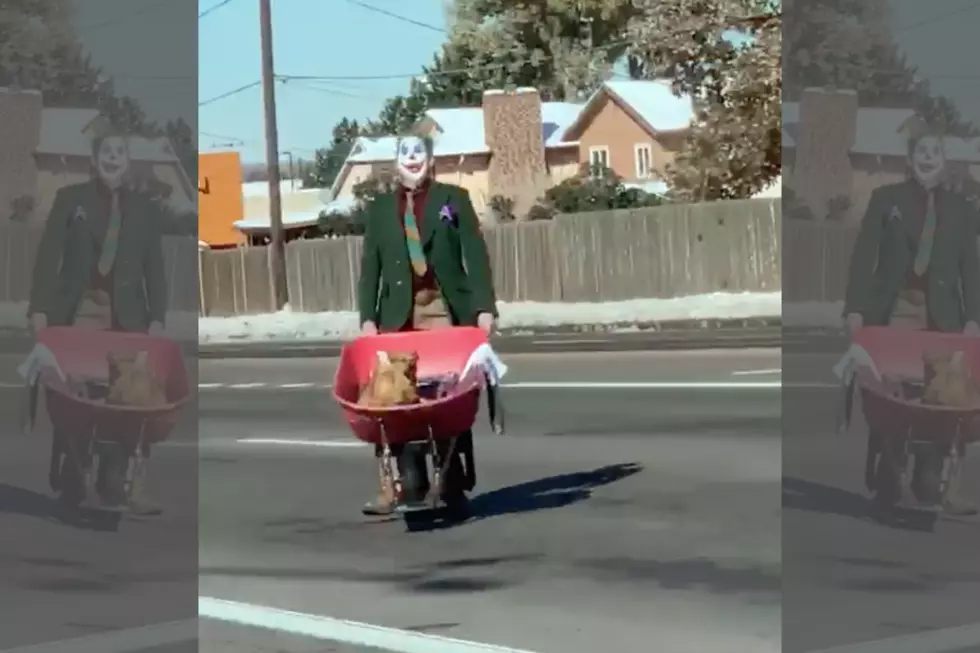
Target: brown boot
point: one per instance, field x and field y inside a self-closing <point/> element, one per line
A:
<point x="384" y="504"/>
<point x="954" y="504"/>
<point x="139" y="502"/>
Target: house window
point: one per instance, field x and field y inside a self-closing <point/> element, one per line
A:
<point x="642" y="157"/>
<point x="599" y="158"/>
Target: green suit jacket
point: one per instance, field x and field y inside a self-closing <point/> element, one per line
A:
<point x="885" y="251"/>
<point x="69" y="253"/>
<point x="455" y="251"/>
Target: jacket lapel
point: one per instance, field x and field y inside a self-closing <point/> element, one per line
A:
<point x="96" y="220"/>
<point x="435" y="200"/>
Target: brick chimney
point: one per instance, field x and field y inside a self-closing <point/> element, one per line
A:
<point x="514" y="134"/>
<point x="825" y="136"/>
<point x="20" y="134"/>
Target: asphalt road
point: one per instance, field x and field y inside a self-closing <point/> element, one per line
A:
<point x="608" y="518"/>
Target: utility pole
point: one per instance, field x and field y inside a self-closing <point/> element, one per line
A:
<point x="277" y="248"/>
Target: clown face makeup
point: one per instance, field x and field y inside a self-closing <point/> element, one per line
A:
<point x="928" y="161"/>
<point x="112" y="160"/>
<point x="413" y="161"/>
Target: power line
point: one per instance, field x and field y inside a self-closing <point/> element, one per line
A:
<point x="438" y="73"/>
<point x="405" y="19"/>
<point x="213" y="9"/>
<point x="939" y="17"/>
<point x="236" y="91"/>
<point x="125" y="17"/>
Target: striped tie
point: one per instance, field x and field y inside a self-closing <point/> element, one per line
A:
<point x="111" y="242"/>
<point x="413" y="239"/>
<point x="924" y="254"/>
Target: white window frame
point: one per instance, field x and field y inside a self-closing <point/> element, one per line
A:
<point x="600" y="149"/>
<point x="637" y="150"/>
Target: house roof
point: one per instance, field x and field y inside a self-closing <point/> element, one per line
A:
<point x="461" y="131"/>
<point x="305" y="218"/>
<point x="878" y="133"/>
<point x="65" y="132"/>
<point x="652" y="104"/>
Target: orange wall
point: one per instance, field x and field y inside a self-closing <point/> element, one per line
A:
<point x="221" y="174"/>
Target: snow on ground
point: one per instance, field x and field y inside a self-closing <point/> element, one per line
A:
<point x="813" y="314"/>
<point x="181" y="325"/>
<point x="294" y="326"/>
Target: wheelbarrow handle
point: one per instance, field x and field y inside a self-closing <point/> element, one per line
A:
<point x="29" y="407"/>
<point x="495" y="406"/>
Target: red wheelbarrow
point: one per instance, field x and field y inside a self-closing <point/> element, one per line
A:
<point x="430" y="429"/>
<point x="908" y="437"/>
<point x="92" y="433"/>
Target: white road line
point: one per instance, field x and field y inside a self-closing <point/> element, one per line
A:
<point x="774" y="370"/>
<point x="129" y="640"/>
<point x="339" y="444"/>
<point x="645" y="385"/>
<point x="548" y="385"/>
<point x="337" y="630"/>
<point x="935" y="641"/>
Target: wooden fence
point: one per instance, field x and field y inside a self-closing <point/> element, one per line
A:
<point x="18" y="246"/>
<point x="660" y="252"/>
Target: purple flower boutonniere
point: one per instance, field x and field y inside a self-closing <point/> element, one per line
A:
<point x="447" y="215"/>
<point x="80" y="215"/>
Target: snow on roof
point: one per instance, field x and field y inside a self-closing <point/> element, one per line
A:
<point x="656" y="103"/>
<point x="261" y="188"/>
<point x="461" y="131"/>
<point x="64" y="132"/>
<point x="879" y="133"/>
<point x="295" y="219"/>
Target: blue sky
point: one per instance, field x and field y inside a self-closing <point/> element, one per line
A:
<point x="310" y="37"/>
<point x="141" y="41"/>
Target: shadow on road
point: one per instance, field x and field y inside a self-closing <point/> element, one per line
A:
<point x="28" y="503"/>
<point x="809" y="496"/>
<point x="463" y="576"/>
<point x="692" y="573"/>
<point x="548" y="493"/>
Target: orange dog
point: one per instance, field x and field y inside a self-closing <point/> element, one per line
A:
<point x="131" y="383"/>
<point x="948" y="382"/>
<point x="394" y="381"/>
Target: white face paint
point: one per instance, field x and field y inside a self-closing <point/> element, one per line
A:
<point x="413" y="162"/>
<point x="112" y="160"/>
<point x="928" y="161"/>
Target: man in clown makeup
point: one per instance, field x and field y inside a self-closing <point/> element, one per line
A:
<point x="424" y="266"/>
<point x="100" y="265"/>
<point x="915" y="265"/>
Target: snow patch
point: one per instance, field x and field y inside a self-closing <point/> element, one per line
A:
<point x="293" y="326"/>
<point x="813" y="314"/>
<point x="181" y="325"/>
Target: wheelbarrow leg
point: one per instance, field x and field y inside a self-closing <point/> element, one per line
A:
<point x="384" y="504"/>
<point x="136" y="479"/>
<point x="953" y="502"/>
<point x="76" y="484"/>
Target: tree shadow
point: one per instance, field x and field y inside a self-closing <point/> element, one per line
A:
<point x="28" y="503"/>
<point x="548" y="493"/>
<point x="692" y="574"/>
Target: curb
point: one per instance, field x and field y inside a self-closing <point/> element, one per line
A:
<point x="523" y="342"/>
<point x="673" y="336"/>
